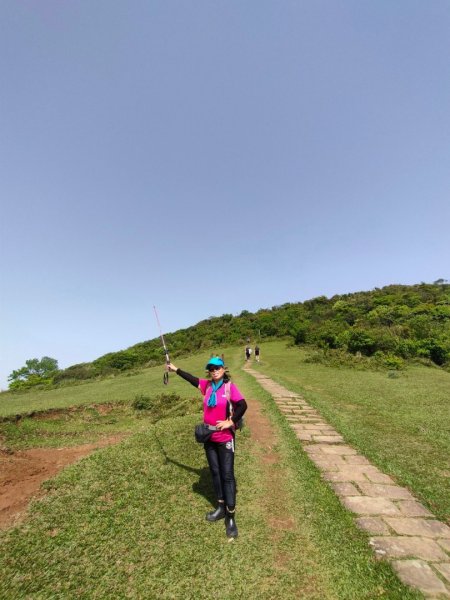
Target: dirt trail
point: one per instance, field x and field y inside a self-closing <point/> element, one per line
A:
<point x="22" y="472"/>
<point x="263" y="433"/>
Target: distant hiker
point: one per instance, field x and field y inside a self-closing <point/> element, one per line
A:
<point x="220" y="447"/>
<point x="257" y="353"/>
<point x="248" y="352"/>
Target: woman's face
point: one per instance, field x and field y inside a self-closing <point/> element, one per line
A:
<point x="216" y="373"/>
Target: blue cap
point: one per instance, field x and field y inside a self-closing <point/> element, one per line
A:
<point x="215" y="362"/>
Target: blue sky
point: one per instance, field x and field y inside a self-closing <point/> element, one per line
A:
<point x="210" y="157"/>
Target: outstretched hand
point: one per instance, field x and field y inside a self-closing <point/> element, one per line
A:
<point x="171" y="367"/>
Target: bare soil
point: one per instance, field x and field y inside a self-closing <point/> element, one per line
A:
<point x="263" y="433"/>
<point x="22" y="473"/>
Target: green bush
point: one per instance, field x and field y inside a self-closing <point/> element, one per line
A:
<point x="359" y="340"/>
<point x="158" y="405"/>
<point x="393" y="362"/>
<point x="142" y="402"/>
<point x="76" y="372"/>
<point x="165" y="405"/>
<point x="438" y="353"/>
<point x="408" y="348"/>
<point x="301" y="332"/>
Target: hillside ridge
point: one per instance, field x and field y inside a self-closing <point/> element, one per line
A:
<point x="382" y="327"/>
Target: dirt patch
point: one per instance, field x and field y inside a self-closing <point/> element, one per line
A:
<point x="275" y="501"/>
<point x="23" y="471"/>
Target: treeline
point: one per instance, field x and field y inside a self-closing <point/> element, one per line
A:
<point x="390" y="324"/>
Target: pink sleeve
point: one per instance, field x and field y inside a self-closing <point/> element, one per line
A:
<point x="235" y="394"/>
<point x="202" y="384"/>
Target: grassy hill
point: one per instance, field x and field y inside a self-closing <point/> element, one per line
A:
<point x="383" y="328"/>
<point x="128" y="521"/>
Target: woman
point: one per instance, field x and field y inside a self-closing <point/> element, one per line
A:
<point x="218" y="394"/>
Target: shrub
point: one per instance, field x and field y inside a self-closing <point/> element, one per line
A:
<point x="81" y="371"/>
<point x="329" y="335"/>
<point x="301" y="331"/>
<point x="340" y="358"/>
<point x="161" y="401"/>
<point x="360" y="341"/>
<point x="393" y="362"/>
<point x="164" y="405"/>
<point x="439" y="354"/>
<point x="408" y="348"/>
<point x="142" y="402"/>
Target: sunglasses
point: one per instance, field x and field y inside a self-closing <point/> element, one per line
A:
<point x="214" y="368"/>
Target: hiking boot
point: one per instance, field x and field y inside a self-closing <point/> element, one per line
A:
<point x="230" y="525"/>
<point x="216" y="515"/>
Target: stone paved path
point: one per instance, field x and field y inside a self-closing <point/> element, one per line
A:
<point x="403" y="530"/>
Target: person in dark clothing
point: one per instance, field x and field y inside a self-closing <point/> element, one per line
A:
<point x="223" y="407"/>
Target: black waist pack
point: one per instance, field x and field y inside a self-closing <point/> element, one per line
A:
<point x="203" y="432"/>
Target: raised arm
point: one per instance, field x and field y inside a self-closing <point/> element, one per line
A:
<point x="187" y="376"/>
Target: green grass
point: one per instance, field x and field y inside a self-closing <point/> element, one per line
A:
<point x="67" y="428"/>
<point x="128" y="521"/>
<point x="401" y="424"/>
<point x="121" y="388"/>
<point x="85" y="424"/>
<point x="83" y="413"/>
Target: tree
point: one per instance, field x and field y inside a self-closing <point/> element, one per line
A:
<point x="34" y="371"/>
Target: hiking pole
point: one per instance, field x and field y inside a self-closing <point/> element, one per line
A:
<point x="166" y="372"/>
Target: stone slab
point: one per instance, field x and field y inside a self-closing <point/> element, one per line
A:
<point x="393" y="492"/>
<point x="364" y="505"/>
<point x="356" y="459"/>
<point x="300" y="428"/>
<point x="331" y="439"/>
<point x="345" y="489"/>
<point x="328" y="430"/>
<point x="338" y="449"/>
<point x="423" y="527"/>
<point x="444" y="570"/>
<point x="375" y="476"/>
<point x="323" y="466"/>
<point x="351" y="471"/>
<point x="327" y="461"/>
<point x="419" y="574"/>
<point x="373" y="525"/>
<point x="304" y="437"/>
<point x="444" y="544"/>
<point x="408" y="547"/>
<point x="338" y="476"/>
<point x="314" y="449"/>
<point x="412" y="508"/>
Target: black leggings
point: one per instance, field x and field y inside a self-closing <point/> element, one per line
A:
<point x="221" y="464"/>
